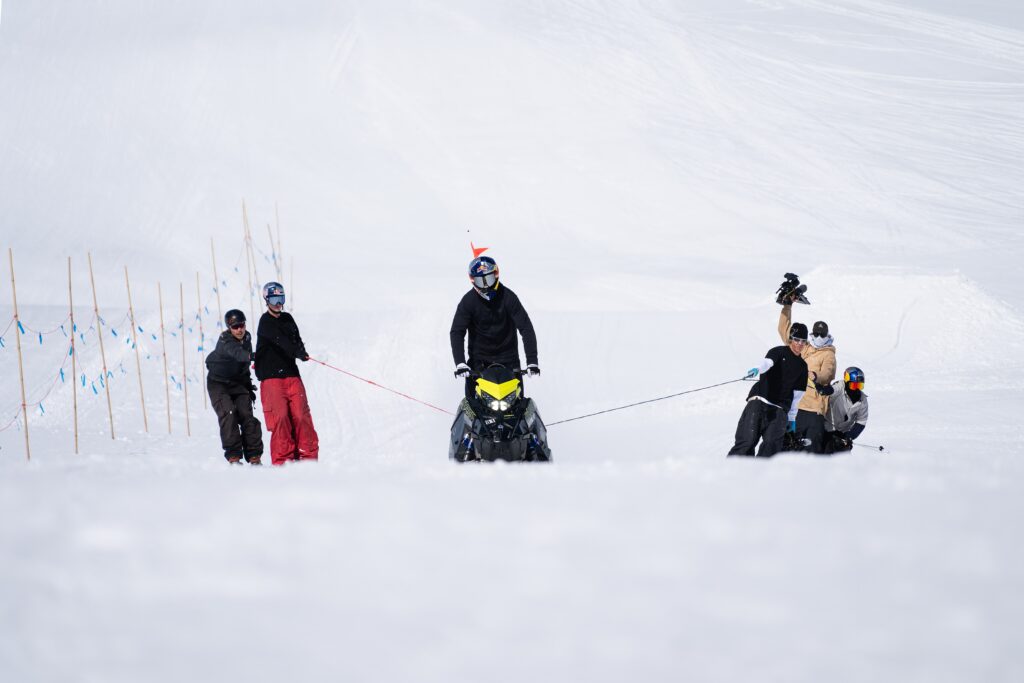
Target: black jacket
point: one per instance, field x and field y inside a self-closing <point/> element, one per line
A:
<point x="788" y="374"/>
<point x="492" y="329"/>
<point x="278" y="345"/>
<point x="228" y="363"/>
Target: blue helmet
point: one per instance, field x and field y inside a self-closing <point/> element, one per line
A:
<point x="273" y="294"/>
<point x="483" y="272"/>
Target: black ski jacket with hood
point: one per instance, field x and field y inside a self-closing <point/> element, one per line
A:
<point x="492" y="327"/>
<point x="228" y="363"/>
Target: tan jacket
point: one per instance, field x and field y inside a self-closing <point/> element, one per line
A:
<point x="821" y="366"/>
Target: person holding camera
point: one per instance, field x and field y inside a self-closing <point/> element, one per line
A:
<point x="820" y="355"/>
<point x="232" y="393"/>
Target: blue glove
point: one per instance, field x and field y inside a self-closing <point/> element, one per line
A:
<point x="791" y="427"/>
<point x="751" y="373"/>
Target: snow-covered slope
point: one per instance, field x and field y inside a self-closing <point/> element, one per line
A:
<point x="644" y="172"/>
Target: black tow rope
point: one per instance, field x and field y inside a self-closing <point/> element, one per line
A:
<point x="650" y="400"/>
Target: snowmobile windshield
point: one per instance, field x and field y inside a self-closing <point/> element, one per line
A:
<point x="485" y="281"/>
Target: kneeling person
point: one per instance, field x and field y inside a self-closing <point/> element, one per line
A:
<point x="773" y="401"/>
<point x="232" y="393"/>
<point x="847" y="411"/>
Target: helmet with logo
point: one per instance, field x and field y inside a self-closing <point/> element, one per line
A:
<point x="273" y="294"/>
<point x="853" y="377"/>
<point x="483" y="273"/>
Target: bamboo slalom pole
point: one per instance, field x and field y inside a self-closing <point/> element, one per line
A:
<point x="216" y="284"/>
<point x="74" y="365"/>
<point x="21" y="367"/>
<point x="291" y="284"/>
<point x="184" y="366"/>
<point x="273" y="252"/>
<point x="103" y="353"/>
<point x="202" y="336"/>
<point x="248" y="259"/>
<point x="280" y="257"/>
<point x="163" y="345"/>
<point x="135" y="345"/>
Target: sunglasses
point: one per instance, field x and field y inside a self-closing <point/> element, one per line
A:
<point x="485" y="281"/>
<point x="238" y="326"/>
<point x="801" y="342"/>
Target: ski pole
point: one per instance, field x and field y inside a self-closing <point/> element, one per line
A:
<point x="650" y="400"/>
<point x="867" y="445"/>
<point x="380" y="386"/>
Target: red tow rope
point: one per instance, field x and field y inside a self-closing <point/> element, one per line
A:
<point x="380" y="386"/>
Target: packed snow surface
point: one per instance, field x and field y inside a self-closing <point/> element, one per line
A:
<point x="644" y="173"/>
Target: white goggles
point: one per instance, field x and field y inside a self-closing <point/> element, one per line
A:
<point x="485" y="281"/>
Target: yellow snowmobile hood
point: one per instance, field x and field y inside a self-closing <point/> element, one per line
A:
<point x="497" y="391"/>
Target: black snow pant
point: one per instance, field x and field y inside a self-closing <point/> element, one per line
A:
<point x="478" y="366"/>
<point x="811" y="426"/>
<point x="241" y="434"/>
<point x="837" y="442"/>
<point x="760" y="421"/>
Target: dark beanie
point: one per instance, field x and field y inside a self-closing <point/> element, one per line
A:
<point x="798" y="331"/>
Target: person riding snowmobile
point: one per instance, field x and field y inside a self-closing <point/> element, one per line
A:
<point x="494" y="420"/>
<point x="492" y="314"/>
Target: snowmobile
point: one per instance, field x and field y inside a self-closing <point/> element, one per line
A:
<point x="791" y="291"/>
<point x="498" y="423"/>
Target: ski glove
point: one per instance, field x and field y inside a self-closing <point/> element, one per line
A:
<point x="533" y="370"/>
<point x="751" y="373"/>
<point x="461" y="371"/>
<point x="824" y="389"/>
<point x="792" y="426"/>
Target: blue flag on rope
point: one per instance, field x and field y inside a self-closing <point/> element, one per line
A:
<point x="63" y="330"/>
<point x="71" y="351"/>
<point x="113" y="331"/>
<point x="94" y="389"/>
<point x="83" y="379"/>
<point x="62" y="375"/>
<point x="21" y="327"/>
<point x="101" y="382"/>
<point x="42" y="410"/>
<point x="2" y="345"/>
<point x="40" y="338"/>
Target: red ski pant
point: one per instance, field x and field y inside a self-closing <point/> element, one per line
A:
<point x="287" y="416"/>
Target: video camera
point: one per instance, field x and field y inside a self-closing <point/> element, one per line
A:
<point x="791" y="291"/>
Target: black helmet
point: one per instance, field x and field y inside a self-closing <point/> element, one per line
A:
<point x="820" y="329"/>
<point x="234" y="317"/>
<point x="798" y="331"/>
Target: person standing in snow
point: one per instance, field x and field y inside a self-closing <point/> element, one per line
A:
<point x="285" y="407"/>
<point x="782" y="376"/>
<point x="492" y="314"/>
<point x="820" y="356"/>
<point x="232" y="393"/>
<point x="847" y="414"/>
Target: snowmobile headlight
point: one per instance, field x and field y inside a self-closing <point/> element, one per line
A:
<point x="499" y="406"/>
